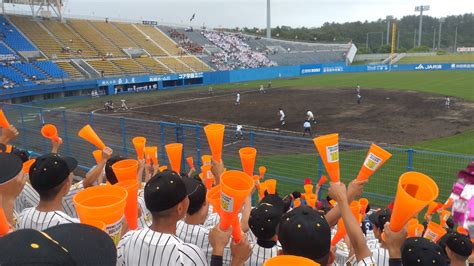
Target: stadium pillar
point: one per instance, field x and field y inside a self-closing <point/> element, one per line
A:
<point x="389" y="18"/>
<point x="110" y="90"/>
<point x="455" y="39"/>
<point x="434" y="37"/>
<point x="441" y="20"/>
<point x="269" y="26"/>
<point x="421" y="9"/>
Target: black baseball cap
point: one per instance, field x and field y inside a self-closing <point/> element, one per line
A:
<point x="50" y="170"/>
<point x="266" y="216"/>
<point x="196" y="193"/>
<point x="380" y="217"/>
<point x="421" y="251"/>
<point x="459" y="244"/>
<point x="109" y="172"/>
<point x="305" y="232"/>
<point x="22" y="154"/>
<point x="31" y="247"/>
<point x="87" y="245"/>
<point x="164" y="191"/>
<point x="11" y="166"/>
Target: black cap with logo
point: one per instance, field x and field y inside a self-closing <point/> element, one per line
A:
<point x="50" y="170"/>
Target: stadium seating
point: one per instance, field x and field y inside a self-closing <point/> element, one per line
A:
<point x="52" y="69"/>
<point x="160" y="38"/>
<point x="94" y="38"/>
<point x="108" y="68"/>
<point x="29" y="70"/>
<point x="43" y="40"/>
<point x="11" y="36"/>
<point x="129" y="66"/>
<point x="138" y="37"/>
<point x="5" y="51"/>
<point x="153" y="65"/>
<point x="114" y="34"/>
<point x="175" y="65"/>
<point x="70" y="39"/>
<point x="13" y="75"/>
<point x="195" y="63"/>
<point x="70" y="69"/>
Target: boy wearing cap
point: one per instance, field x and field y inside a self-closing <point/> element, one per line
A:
<point x="458" y="248"/>
<point x="51" y="177"/>
<point x="12" y="181"/>
<point x="166" y="198"/>
<point x="378" y="220"/>
<point x="263" y="223"/>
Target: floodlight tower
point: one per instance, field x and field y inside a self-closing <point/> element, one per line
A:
<point x="441" y="21"/>
<point x="421" y="9"/>
<point x="269" y="27"/>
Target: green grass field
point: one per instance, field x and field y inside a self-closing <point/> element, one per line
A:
<point x="448" y="58"/>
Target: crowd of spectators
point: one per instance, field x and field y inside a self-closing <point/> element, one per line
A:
<point x="235" y="52"/>
<point x="184" y="42"/>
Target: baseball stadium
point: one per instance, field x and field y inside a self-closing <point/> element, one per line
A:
<point x="143" y="88"/>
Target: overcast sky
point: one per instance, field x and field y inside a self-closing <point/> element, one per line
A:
<point x="250" y="13"/>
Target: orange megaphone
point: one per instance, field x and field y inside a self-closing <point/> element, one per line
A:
<point x="163" y="168"/>
<point x="89" y="135"/>
<point x="97" y="155"/>
<point x="27" y="165"/>
<point x="322" y="180"/>
<point x="296" y="203"/>
<point x="328" y="148"/>
<point x="126" y="170"/>
<point x="415" y="230"/>
<point x="235" y="187"/>
<point x="214" y="198"/>
<point x="432" y="208"/>
<point x="374" y="159"/>
<point x="340" y="233"/>
<point x="462" y="230"/>
<point x="151" y="153"/>
<point x="4" y="225"/>
<point x="50" y="131"/>
<point x="289" y="260"/>
<point x="262" y="187"/>
<point x="139" y="144"/>
<point x="190" y="162"/>
<point x="443" y="217"/>
<point x="415" y="191"/>
<point x="448" y="203"/>
<point x="3" y="120"/>
<point x="247" y="158"/>
<point x="97" y="224"/>
<point x="271" y="186"/>
<point x="131" y="207"/>
<point x="262" y="170"/>
<point x="311" y="200"/>
<point x="412" y="221"/>
<point x="175" y="153"/>
<point x="363" y="206"/>
<point x="308" y="189"/>
<point x="206" y="159"/>
<point x="434" y="232"/>
<point x="215" y="138"/>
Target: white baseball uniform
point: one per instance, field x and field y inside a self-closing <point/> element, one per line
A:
<point x="237" y="99"/>
<point x="261" y="254"/>
<point x="310" y="115"/>
<point x="147" y="247"/>
<point x="145" y="219"/>
<point x="31" y="218"/>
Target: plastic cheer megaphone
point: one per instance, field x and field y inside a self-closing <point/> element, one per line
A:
<point x="4" y="225"/>
<point x="97" y="154"/>
<point x="374" y="159"/>
<point x="322" y="180"/>
<point x="434" y="232"/>
<point x="27" y="165"/>
<point x="151" y="154"/>
<point x="261" y="171"/>
<point x="341" y="228"/>
<point x="175" y="153"/>
<point x="443" y="217"/>
<point x="126" y="170"/>
<point x="131" y="207"/>
<point x="139" y="144"/>
<point x="190" y="162"/>
<point x="215" y="138"/>
<point x="415" y="230"/>
<point x="311" y="200"/>
<point x="415" y="191"/>
<point x="247" y="158"/>
<point x="289" y="260"/>
<point x="89" y="135"/>
<point x="328" y="148"/>
<point x="50" y="131"/>
<point x="3" y="120"/>
<point x="235" y="187"/>
<point x="363" y="206"/>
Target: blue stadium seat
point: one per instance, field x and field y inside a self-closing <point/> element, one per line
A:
<point x="52" y="69"/>
<point x="14" y="38"/>
<point x="13" y="75"/>
<point x="29" y="70"/>
<point x="5" y="51"/>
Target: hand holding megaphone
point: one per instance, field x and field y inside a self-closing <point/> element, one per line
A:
<point x="394" y="240"/>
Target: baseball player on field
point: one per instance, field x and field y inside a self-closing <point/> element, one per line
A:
<point x="261" y="90"/>
<point x="281" y="113"/>
<point x="310" y="117"/>
<point x="237" y="98"/>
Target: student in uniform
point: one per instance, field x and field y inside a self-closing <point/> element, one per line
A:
<point x="12" y="181"/>
<point x="51" y="177"/>
<point x="238" y="132"/>
<point x="458" y="248"/>
<point x="237" y="98"/>
<point x="282" y="116"/>
<point x="307" y="128"/>
<point x="166" y="198"/>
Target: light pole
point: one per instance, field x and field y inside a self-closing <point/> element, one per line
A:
<point x="420" y="28"/>
<point x="414" y="39"/>
<point x="398" y="39"/>
<point x="269" y="27"/>
<point x="434" y="37"/>
<point x="441" y="21"/>
<point x="456" y="39"/>
<point x="389" y="19"/>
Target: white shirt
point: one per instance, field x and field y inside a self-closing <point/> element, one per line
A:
<point x="310" y="114"/>
<point x="238" y="97"/>
<point x="145" y="219"/>
<point x="31" y="218"/>
<point x="282" y="115"/>
<point x="307" y="125"/>
<point x="260" y="254"/>
<point x="199" y="235"/>
<point x="239" y="128"/>
<point x="147" y="247"/>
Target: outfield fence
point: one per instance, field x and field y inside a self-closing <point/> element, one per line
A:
<point x="289" y="159"/>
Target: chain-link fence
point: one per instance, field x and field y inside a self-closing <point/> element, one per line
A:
<point x="289" y="159"/>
